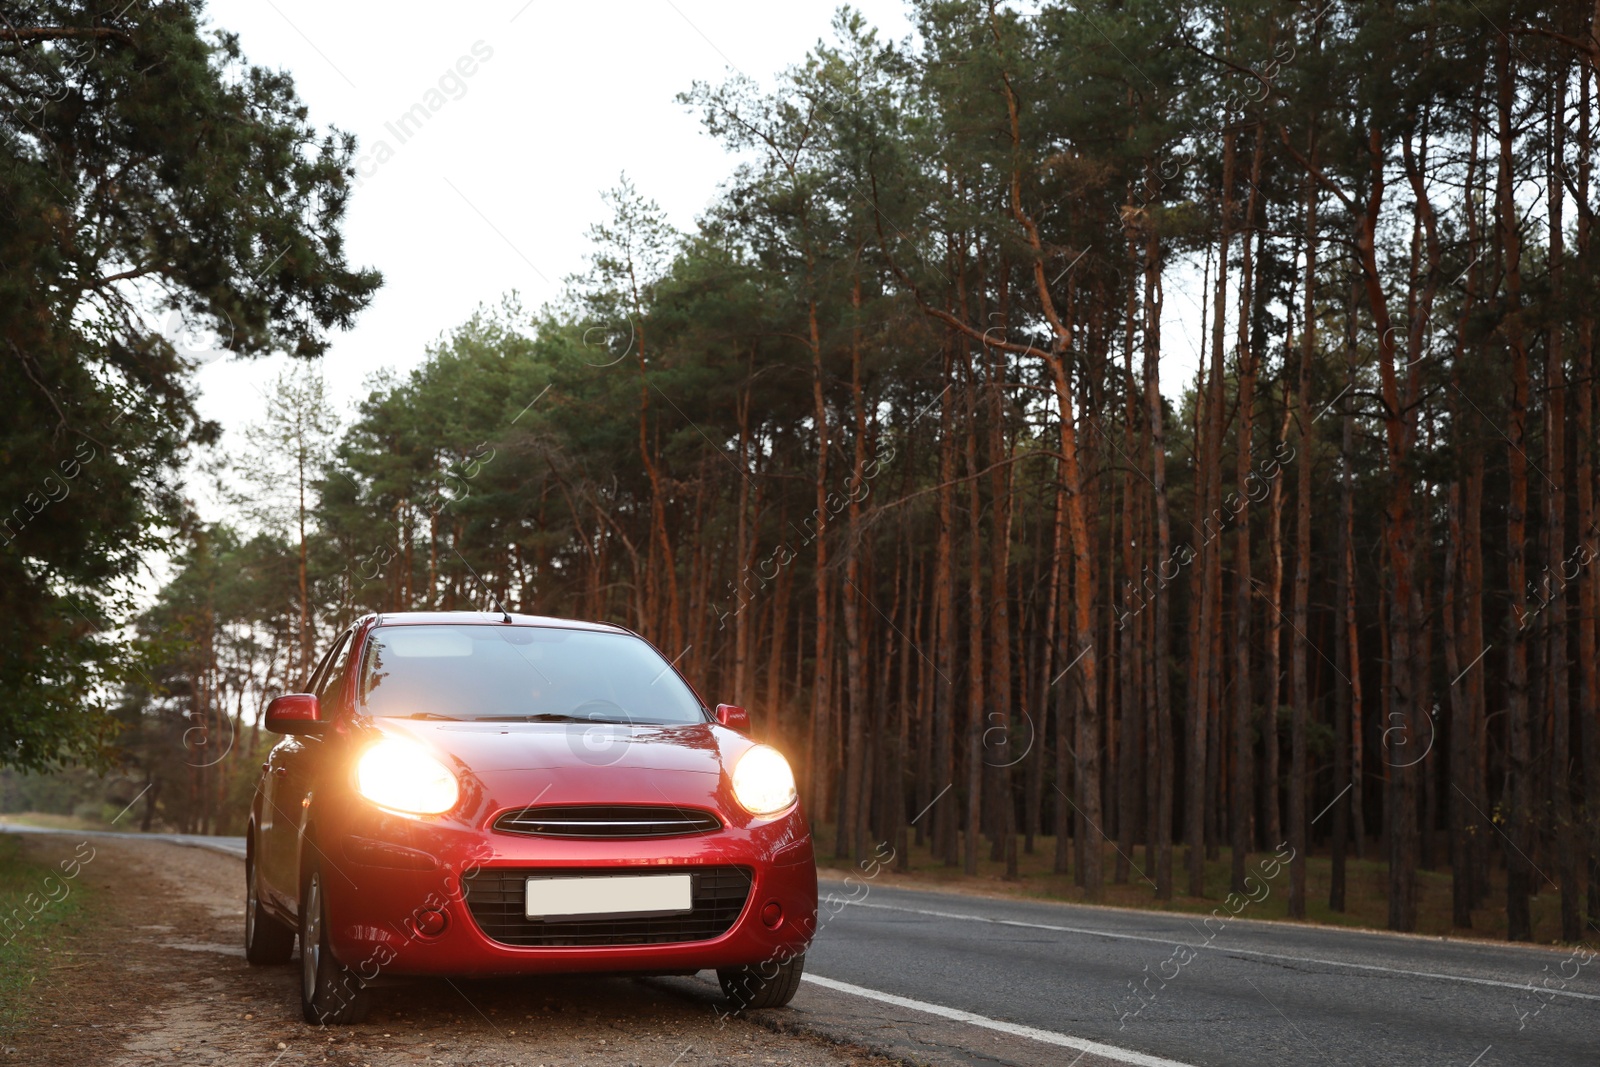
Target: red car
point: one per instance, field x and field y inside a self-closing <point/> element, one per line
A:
<point x="481" y="794"/>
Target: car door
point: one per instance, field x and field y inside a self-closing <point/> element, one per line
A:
<point x="287" y="780"/>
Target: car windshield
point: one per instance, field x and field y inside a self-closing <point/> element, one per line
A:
<point x="521" y="673"/>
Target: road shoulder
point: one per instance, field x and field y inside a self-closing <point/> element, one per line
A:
<point x="157" y="975"/>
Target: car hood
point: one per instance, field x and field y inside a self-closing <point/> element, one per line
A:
<point x="493" y="747"/>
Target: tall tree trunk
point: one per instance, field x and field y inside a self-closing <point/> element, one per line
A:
<point x="1460" y="720"/>
<point x="307" y="652"/>
<point x="1271" y="804"/>
<point x="1130" y="711"/>
<point x="922" y="683"/>
<point x="1034" y="679"/>
<point x="1400" y="691"/>
<point x="1086" y="670"/>
<point x="1358" y="773"/>
<point x="1162" y="766"/>
<point x="1587" y="707"/>
<point x="923" y="785"/>
<point x="1210" y="513"/>
<point x="661" y="540"/>
<point x="1243" y="593"/>
<point x="822" y="668"/>
<point x="1299" y="691"/>
<point x="1195" y="689"/>
<point x="975" y="628"/>
<point x="803" y="719"/>
<point x="1347" y="702"/>
<point x="743" y="555"/>
<point x="1474" y="574"/>
<point x="771" y="715"/>
<point x="1085" y="663"/>
<point x="1056" y="643"/>
<point x="1216" y="731"/>
<point x="849" y="844"/>
<point x="1463" y="619"/>
<point x="1557" y="551"/>
<point x="1519" y="831"/>
<point x="1002" y="763"/>
<point x="945" y="814"/>
<point x="894" y="788"/>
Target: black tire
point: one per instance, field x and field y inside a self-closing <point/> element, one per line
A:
<point x="330" y="993"/>
<point x="762" y="985"/>
<point x="266" y="940"/>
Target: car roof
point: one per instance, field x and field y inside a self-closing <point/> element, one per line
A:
<point x="490" y="618"/>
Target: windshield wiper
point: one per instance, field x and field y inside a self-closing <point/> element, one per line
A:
<point x="541" y="717"/>
<point x="550" y="716"/>
<point x="430" y="715"/>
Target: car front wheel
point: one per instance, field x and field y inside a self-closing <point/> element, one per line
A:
<point x="266" y="940"/>
<point x="762" y="985"/>
<point x="330" y="993"/>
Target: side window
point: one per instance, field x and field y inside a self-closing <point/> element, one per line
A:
<point x="314" y="682"/>
<point x="367" y="677"/>
<point x="329" y="684"/>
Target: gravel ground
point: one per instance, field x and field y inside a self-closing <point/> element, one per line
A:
<point x="155" y="973"/>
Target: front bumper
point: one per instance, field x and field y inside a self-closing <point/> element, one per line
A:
<point x="385" y="874"/>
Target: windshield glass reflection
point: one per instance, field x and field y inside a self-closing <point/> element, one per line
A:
<point x="521" y="674"/>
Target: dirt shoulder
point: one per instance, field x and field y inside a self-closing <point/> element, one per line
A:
<point x="154" y="973"/>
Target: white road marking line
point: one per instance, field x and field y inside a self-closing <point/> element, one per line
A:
<point x="1521" y="986"/>
<point x="1048" y="1037"/>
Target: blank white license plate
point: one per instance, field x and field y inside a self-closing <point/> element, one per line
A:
<point x="620" y="896"/>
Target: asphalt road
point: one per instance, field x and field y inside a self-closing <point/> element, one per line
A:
<point x="946" y="978"/>
<point x="1152" y="987"/>
<point x="234" y="846"/>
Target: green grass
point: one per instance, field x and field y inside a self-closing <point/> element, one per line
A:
<point x="23" y="955"/>
<point x="1366" y="888"/>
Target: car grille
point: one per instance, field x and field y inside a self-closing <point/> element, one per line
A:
<point x="608" y="821"/>
<point x="497" y="899"/>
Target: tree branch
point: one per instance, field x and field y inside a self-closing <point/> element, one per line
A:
<point x="1315" y="171"/>
<point x="32" y="34"/>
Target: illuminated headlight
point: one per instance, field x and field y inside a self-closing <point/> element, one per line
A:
<point x="762" y="781"/>
<point x="401" y="776"/>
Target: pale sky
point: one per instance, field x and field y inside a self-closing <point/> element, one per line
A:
<point x="496" y="189"/>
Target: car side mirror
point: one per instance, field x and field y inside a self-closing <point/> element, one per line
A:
<point x="734" y="717"/>
<point x="294" y="713"/>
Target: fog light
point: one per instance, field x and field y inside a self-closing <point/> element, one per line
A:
<point x="431" y="923"/>
<point x="772" y="914"/>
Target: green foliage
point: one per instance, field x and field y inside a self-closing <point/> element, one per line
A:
<point x="144" y="166"/>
